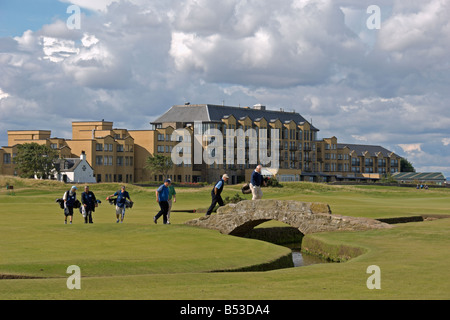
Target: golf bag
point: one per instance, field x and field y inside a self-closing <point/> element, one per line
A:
<point x="76" y="205"/>
<point x="128" y="203"/>
<point x="246" y="189"/>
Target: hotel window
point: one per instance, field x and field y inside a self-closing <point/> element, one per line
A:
<point x="120" y="162"/>
<point x="292" y="156"/>
<point x="160" y="149"/>
<point x="98" y="160"/>
<point x="119" y="148"/>
<point x="54" y="146"/>
<point x="98" y="147"/>
<point x="160" y="137"/>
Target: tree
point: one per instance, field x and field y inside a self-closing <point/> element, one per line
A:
<point x="406" y="166"/>
<point x="35" y="160"/>
<point x="159" y="164"/>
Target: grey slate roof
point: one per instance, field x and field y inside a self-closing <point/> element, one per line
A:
<point x="215" y="113"/>
<point x="360" y="149"/>
<point x="67" y="164"/>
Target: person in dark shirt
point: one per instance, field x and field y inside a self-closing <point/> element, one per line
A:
<point x="89" y="202"/>
<point x="256" y="182"/>
<point x="216" y="194"/>
<point x="69" y="198"/>
<point x="162" y="197"/>
<point x="122" y="197"/>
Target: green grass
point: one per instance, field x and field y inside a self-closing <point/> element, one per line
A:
<point x="141" y="260"/>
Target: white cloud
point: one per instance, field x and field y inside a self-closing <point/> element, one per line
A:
<point x="413" y="147"/>
<point x="362" y="139"/>
<point x="417" y="30"/>
<point x="57" y="50"/>
<point x="3" y="95"/>
<point x="89" y="40"/>
<point x="446" y="141"/>
<point x="97" y="5"/>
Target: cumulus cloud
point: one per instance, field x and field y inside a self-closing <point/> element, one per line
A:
<point x="386" y="87"/>
<point x="446" y="141"/>
<point x="411" y="147"/>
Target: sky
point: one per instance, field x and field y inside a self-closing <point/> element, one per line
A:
<point x="362" y="75"/>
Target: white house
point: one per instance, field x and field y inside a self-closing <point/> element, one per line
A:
<point x="75" y="170"/>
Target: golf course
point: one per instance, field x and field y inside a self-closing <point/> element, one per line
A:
<point x="138" y="259"/>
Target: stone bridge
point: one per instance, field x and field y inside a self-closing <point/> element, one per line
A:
<point x="238" y="219"/>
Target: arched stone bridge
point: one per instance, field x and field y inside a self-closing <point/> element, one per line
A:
<point x="238" y="219"/>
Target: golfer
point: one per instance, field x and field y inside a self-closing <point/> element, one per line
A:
<point x="162" y="197"/>
<point x="122" y="197"/>
<point x="216" y="194"/>
<point x="256" y="183"/>
<point x="70" y="196"/>
<point x="89" y="202"/>
<point x="172" y="199"/>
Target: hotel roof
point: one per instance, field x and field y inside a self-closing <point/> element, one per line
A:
<point x="215" y="113"/>
<point x="361" y="149"/>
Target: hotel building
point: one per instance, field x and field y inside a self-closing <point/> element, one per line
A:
<point x="119" y="155"/>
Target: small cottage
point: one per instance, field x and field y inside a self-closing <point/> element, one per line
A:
<point x="75" y="170"/>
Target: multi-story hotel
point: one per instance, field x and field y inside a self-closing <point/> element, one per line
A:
<point x="119" y="155"/>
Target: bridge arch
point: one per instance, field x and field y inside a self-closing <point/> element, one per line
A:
<point x="308" y="217"/>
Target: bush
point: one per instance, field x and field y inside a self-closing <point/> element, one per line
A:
<point x="272" y="182"/>
<point x="235" y="199"/>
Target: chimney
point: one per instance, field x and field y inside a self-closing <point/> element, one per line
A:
<point x="83" y="155"/>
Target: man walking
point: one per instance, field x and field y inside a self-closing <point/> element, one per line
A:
<point x="256" y="182"/>
<point x="122" y="197"/>
<point x="172" y="199"/>
<point x="89" y="202"/>
<point x="69" y="198"/>
<point x="162" y="197"/>
<point x="216" y="194"/>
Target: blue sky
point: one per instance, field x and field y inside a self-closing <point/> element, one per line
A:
<point x="131" y="60"/>
<point x="17" y="16"/>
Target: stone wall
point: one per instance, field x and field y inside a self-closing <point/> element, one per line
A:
<point x="308" y="217"/>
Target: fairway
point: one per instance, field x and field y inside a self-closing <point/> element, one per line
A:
<point x="142" y="260"/>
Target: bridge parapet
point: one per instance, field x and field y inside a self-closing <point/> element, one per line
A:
<point x="308" y="217"/>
